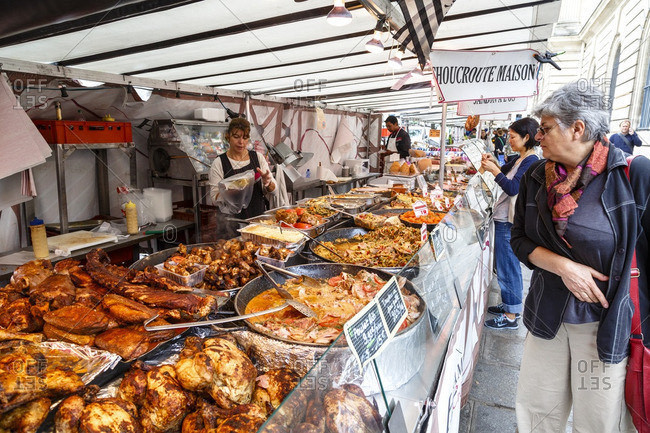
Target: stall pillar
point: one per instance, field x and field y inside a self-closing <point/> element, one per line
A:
<point x="443" y="137"/>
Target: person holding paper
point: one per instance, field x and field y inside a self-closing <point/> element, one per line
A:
<point x="522" y="141"/>
<point x="578" y="221"/>
<point x="238" y="159"/>
<point x="398" y="140"/>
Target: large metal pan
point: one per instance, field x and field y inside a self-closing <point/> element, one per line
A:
<point x="317" y="270"/>
<point x="343" y="233"/>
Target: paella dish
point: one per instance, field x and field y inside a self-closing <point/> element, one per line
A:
<point x="387" y="247"/>
<point x="334" y="300"/>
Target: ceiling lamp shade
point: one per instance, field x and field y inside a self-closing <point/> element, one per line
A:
<point x="396" y="61"/>
<point x="144" y="93"/>
<point x="339" y="16"/>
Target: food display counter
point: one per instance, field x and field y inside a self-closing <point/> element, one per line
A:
<point x="286" y="370"/>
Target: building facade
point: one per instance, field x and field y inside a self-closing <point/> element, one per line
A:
<point x="605" y="43"/>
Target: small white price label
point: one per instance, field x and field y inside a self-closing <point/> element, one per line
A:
<point x="438" y="205"/>
<point x="424" y="235"/>
<point x="459" y="202"/>
<point x="420" y="209"/>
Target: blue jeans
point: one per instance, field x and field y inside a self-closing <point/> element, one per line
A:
<point x="508" y="269"/>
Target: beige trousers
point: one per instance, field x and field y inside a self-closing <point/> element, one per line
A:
<point x="563" y="372"/>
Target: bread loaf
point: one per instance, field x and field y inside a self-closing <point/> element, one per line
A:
<point x="394" y="167"/>
<point x="404" y="169"/>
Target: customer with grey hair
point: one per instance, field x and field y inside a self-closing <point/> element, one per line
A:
<point x="578" y="220"/>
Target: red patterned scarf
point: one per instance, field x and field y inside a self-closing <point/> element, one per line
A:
<point x="564" y="190"/>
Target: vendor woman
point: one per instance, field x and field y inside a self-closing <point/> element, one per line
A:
<point x="239" y="159"/>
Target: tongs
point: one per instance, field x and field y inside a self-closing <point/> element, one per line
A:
<point x="302" y="308"/>
<point x="210" y="322"/>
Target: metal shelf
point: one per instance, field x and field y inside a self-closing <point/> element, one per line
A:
<point x="63" y="151"/>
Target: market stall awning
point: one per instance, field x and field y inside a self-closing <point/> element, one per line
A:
<point x="274" y="47"/>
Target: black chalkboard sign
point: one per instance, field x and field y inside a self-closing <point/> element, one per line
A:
<point x="392" y="305"/>
<point x="366" y="333"/>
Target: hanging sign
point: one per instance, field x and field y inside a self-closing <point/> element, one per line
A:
<point x="492" y="106"/>
<point x="372" y="328"/>
<point x="434" y="133"/>
<point x="469" y="75"/>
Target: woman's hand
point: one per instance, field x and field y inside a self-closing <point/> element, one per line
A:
<point x="579" y="279"/>
<point x="491" y="166"/>
<point x="267" y="179"/>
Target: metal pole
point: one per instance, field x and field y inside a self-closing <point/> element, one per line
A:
<point x="101" y="171"/>
<point x="60" y="186"/>
<point x="443" y="138"/>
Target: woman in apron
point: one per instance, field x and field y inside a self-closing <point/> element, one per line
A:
<point x="236" y="160"/>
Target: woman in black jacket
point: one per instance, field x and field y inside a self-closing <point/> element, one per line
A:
<point x="577" y="223"/>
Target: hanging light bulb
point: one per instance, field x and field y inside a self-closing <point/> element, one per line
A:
<point x="396" y="61"/>
<point x="374" y="45"/>
<point x="339" y="16"/>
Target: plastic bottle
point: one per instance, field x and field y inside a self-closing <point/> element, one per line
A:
<point x="131" y="218"/>
<point x="57" y="108"/>
<point x="39" y="239"/>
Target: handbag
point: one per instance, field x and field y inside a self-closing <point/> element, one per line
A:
<point x="637" y="378"/>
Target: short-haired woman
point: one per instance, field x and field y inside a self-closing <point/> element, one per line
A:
<point x="522" y="140"/>
<point x="577" y="223"/>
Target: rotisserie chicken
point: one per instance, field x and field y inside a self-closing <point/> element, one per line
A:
<point x="226" y="373"/>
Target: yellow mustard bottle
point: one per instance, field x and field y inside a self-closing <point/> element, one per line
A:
<point x="131" y="218"/>
<point x="39" y="239"/>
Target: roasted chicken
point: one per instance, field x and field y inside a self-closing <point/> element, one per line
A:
<point x="109" y="415"/>
<point x="221" y="370"/>
<point x="26" y="418"/>
<point x="66" y="419"/>
<point x="272" y="387"/>
<point x="166" y="403"/>
<point x="208" y="418"/>
<point x="151" y="278"/>
<point x="348" y="411"/>
<point x="21" y="384"/>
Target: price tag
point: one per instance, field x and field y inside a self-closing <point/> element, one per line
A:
<point x="424" y="234"/>
<point x="438" y="205"/>
<point x="472" y="201"/>
<point x="459" y="202"/>
<point x="437" y="243"/>
<point x="420" y="209"/>
<point x="423" y="185"/>
<point x="372" y="328"/>
<point x="481" y="234"/>
<point x="392" y="306"/>
<point x="447" y="202"/>
<point x="366" y="333"/>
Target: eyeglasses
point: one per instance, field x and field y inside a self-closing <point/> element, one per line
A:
<point x="544" y="130"/>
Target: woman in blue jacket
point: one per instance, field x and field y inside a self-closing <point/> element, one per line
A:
<point x="522" y="140"/>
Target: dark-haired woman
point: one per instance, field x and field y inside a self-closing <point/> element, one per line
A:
<point x="236" y="160"/>
<point x="522" y="140"/>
